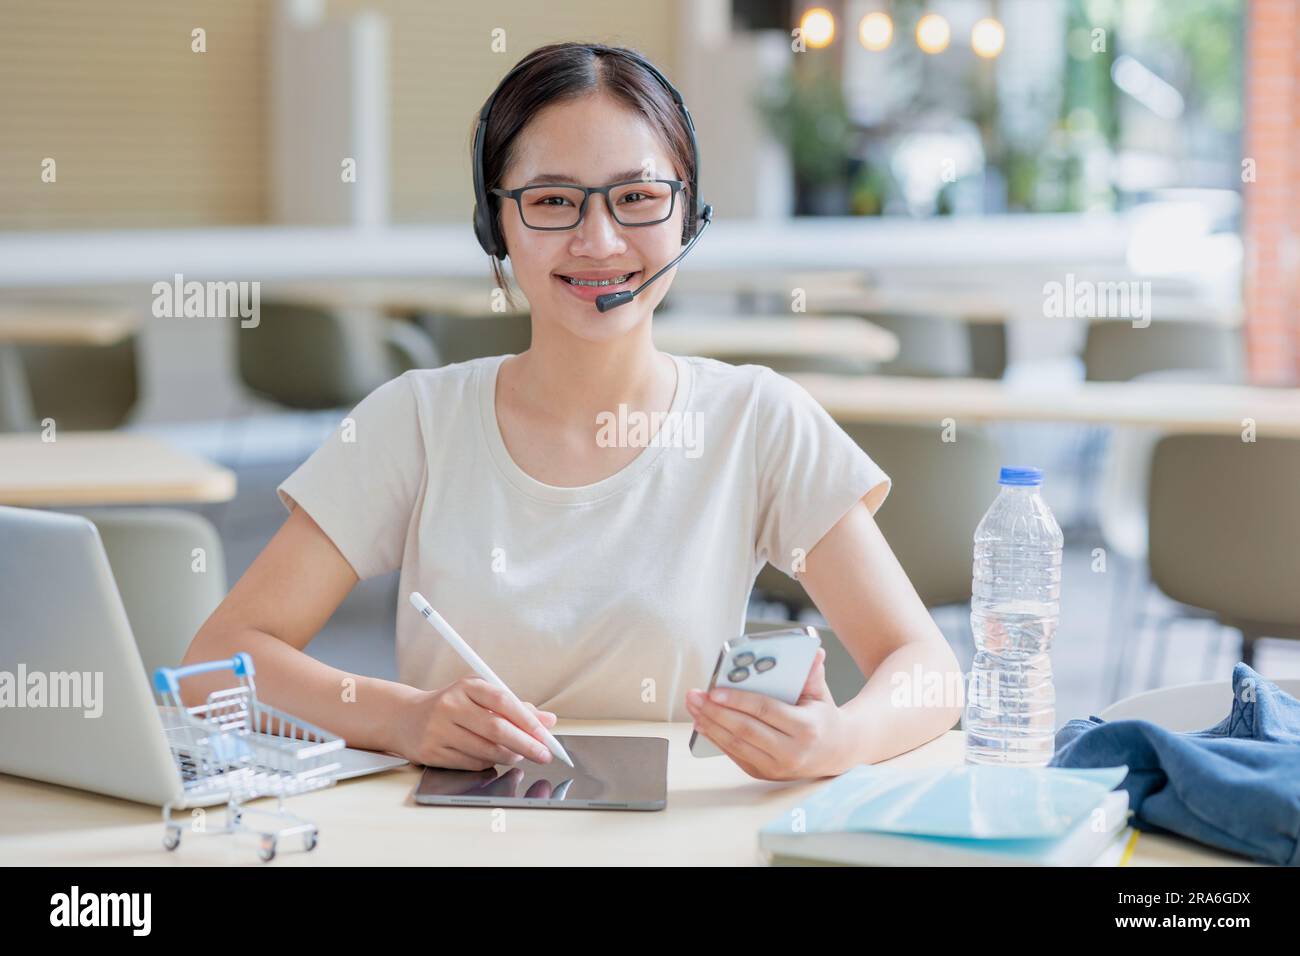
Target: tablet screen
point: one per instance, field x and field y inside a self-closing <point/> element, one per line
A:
<point x="608" y="773"/>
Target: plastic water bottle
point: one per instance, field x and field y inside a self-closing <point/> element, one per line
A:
<point x="1010" y="713"/>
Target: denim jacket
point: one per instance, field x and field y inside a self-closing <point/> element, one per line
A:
<point x="1234" y="786"/>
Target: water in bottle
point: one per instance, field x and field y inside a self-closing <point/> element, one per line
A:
<point x="1010" y="715"/>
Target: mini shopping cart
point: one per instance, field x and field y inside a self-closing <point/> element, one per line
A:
<point x="237" y="748"/>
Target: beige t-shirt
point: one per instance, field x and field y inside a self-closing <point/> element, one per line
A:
<point x="608" y="600"/>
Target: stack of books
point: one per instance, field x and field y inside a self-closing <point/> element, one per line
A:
<point x="959" y="816"/>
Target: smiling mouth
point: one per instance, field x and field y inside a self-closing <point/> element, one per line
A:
<point x="598" y="283"/>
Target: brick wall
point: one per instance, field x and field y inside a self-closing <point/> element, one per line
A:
<point x="1272" y="202"/>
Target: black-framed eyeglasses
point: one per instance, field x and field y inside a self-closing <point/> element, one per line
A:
<point x="638" y="202"/>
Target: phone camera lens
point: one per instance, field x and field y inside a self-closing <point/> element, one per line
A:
<point x="764" y="664"/>
<point x="743" y="659"/>
<point x="738" y="674"/>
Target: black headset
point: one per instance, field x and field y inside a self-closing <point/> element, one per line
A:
<point x="486" y="229"/>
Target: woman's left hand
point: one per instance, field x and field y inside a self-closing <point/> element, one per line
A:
<point x="772" y="740"/>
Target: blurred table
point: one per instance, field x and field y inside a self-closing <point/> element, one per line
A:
<point x="458" y="298"/>
<point x="51" y="323"/>
<point x="469" y="297"/>
<point x="766" y="281"/>
<point x="66" y="323"/>
<point x="106" y="468"/>
<point x="832" y="336"/>
<point x="832" y="292"/>
<point x="1169" y="407"/>
<point x="686" y="333"/>
<point x="983" y="305"/>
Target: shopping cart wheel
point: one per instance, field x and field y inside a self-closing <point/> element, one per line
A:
<point x="309" y="840"/>
<point x="172" y="838"/>
<point x="267" y="849"/>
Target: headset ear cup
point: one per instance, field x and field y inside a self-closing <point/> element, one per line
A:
<point x="483" y="240"/>
<point x="486" y="234"/>
<point x="499" y="240"/>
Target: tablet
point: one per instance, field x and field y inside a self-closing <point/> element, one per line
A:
<point x="608" y="773"/>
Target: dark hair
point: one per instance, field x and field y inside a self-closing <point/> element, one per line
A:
<point x="562" y="71"/>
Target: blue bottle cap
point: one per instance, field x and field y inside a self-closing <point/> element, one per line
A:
<point x="1021" y="477"/>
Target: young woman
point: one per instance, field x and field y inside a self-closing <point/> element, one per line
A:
<point x="597" y="569"/>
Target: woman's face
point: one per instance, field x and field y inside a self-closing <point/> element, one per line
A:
<point x="592" y="140"/>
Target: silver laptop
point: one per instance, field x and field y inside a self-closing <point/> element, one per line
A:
<point x="76" y="706"/>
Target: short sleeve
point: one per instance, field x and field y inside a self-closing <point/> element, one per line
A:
<point x="361" y="485"/>
<point x="810" y="472"/>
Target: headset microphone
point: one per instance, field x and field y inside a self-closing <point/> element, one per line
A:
<point x="612" y="300"/>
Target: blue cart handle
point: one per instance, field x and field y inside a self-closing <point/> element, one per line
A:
<point x="167" y="679"/>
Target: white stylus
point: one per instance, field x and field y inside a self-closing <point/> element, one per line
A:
<point x="479" y="665"/>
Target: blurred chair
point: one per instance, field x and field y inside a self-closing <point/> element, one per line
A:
<point x="82" y="387"/>
<point x="940" y="492"/>
<point x="1121" y="504"/>
<point x="1115" y="351"/>
<point x="939" y="346"/>
<point x="461" y="338"/>
<point x="313" y="358"/>
<point x="799" y="364"/>
<point x="1225" y="533"/>
<point x="928" y="346"/>
<point x="15" y="393"/>
<point x="1185" y="708"/>
<point x="844" y="678"/>
<point x="988" y="349"/>
<point x="168" y="587"/>
<point x="1122" y="520"/>
<point x="408" y="346"/>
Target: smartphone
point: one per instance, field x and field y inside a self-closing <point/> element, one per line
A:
<point x="775" y="664"/>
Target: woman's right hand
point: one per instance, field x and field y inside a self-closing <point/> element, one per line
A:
<point x="470" y="725"/>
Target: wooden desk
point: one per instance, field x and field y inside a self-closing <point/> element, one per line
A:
<point x="714" y="812"/>
<point x="846" y="336"/>
<point x="105" y="468"/>
<point x="1168" y="407"/>
<point x="66" y="323"/>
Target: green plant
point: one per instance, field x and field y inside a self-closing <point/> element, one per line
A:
<point x="867" y="195"/>
<point x="806" y="112"/>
